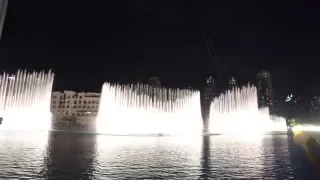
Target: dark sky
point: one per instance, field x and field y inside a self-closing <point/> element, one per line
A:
<point x="89" y="42"/>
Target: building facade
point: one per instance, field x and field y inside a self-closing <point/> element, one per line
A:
<point x="79" y="106"/>
<point x="265" y="91"/>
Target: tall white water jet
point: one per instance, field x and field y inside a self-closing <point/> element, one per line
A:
<point x="236" y="111"/>
<point x="144" y="110"/>
<point x="25" y="100"/>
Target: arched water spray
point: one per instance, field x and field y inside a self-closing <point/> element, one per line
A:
<point x="144" y="110"/>
<point x="236" y="111"/>
<point x="25" y="100"/>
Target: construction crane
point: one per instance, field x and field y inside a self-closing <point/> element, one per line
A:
<point x="3" y="11"/>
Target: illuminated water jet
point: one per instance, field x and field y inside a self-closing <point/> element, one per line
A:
<point x="144" y="110"/>
<point x="237" y="112"/>
<point x="25" y="100"/>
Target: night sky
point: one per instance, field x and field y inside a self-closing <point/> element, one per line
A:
<point x="89" y="42"/>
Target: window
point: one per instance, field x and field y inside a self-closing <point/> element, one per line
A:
<point x="68" y="97"/>
<point x="67" y="106"/>
<point x="53" y="102"/>
<point x="84" y="102"/>
<point x="83" y="106"/>
<point x="79" y="106"/>
<point x="79" y="102"/>
<point x="80" y="97"/>
<point x="74" y="102"/>
<point x="53" y="106"/>
<point x="88" y="106"/>
<point x="73" y="114"/>
<point x="74" y="106"/>
<point x="54" y="97"/>
<point x="89" y="102"/>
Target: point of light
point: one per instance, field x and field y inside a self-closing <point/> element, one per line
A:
<point x="11" y="78"/>
<point x="308" y="128"/>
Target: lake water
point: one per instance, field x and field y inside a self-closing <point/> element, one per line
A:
<point x="40" y="155"/>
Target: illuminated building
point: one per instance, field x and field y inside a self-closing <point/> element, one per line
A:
<point x="232" y="83"/>
<point x="208" y="95"/>
<point x="265" y="91"/>
<point x="80" y="106"/>
<point x="315" y="104"/>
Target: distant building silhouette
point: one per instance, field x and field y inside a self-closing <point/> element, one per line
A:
<point x="265" y="91"/>
<point x="154" y="82"/>
<point x="232" y="83"/>
<point x="3" y="10"/>
<point x="209" y="93"/>
<point x="314" y="106"/>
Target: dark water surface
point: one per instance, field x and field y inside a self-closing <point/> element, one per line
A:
<point x="40" y="155"/>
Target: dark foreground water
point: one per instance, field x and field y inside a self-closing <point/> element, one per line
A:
<point x="79" y="156"/>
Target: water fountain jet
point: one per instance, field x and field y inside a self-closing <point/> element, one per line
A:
<point x="25" y="100"/>
<point x="237" y="112"/>
<point x="144" y="110"/>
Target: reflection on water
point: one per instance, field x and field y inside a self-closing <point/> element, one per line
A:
<point x="148" y="157"/>
<point x="231" y="157"/>
<point x="22" y="154"/>
<point x="80" y="156"/>
<point x="277" y="164"/>
<point x="302" y="168"/>
<point x="70" y="155"/>
<point x="205" y="159"/>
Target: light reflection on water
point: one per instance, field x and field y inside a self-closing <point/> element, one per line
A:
<point x="83" y="156"/>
